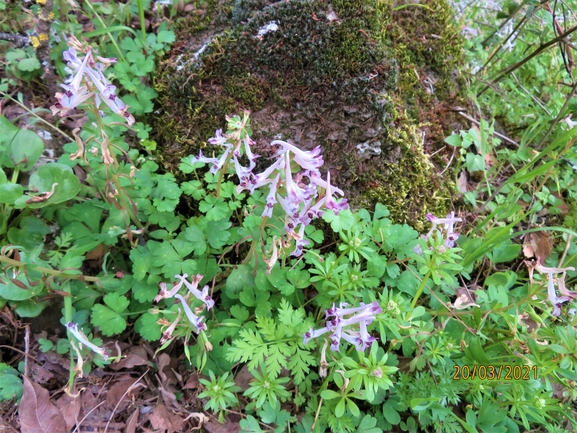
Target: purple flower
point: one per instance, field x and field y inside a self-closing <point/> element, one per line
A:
<point x="192" y="287"/>
<point x="336" y="323"/>
<point x="86" y="80"/>
<point x="193" y="318"/>
<point x="555" y="300"/>
<point x="297" y="192"/>
<point x="447" y="229"/>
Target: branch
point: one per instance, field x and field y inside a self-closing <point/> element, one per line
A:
<point x="19" y="40"/>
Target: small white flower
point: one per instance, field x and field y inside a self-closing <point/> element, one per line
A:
<point x="79" y="335"/>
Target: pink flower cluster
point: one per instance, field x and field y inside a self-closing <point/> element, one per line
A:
<point x="336" y="322"/>
<point x="87" y="79"/>
<point x="297" y="193"/>
<point x="193" y="288"/>
<point x="447" y="229"/>
<point x="566" y="295"/>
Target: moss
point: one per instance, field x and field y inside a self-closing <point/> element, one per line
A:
<point x="336" y="73"/>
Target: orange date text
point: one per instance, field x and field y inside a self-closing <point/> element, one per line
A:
<point x="504" y="372"/>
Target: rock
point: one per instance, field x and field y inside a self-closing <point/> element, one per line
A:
<point x="336" y="73"/>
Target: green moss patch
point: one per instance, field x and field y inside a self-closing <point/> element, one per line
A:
<point x="355" y="76"/>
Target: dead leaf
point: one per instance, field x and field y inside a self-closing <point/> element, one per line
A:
<point x="192" y="382"/>
<point x="465" y="298"/>
<point x="489" y="160"/>
<point x="166" y="374"/>
<point x="97" y="253"/>
<point x="69" y="408"/>
<point x="136" y="356"/>
<point x="131" y="422"/>
<point x="169" y="398"/>
<point x="243" y="378"/>
<point x="538" y="245"/>
<point x="462" y="302"/>
<point x="215" y="427"/>
<point x="37" y="414"/>
<point x="119" y="393"/>
<point x="463" y="182"/>
<point x="163" y="420"/>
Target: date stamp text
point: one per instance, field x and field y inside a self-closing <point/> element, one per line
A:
<point x="506" y="372"/>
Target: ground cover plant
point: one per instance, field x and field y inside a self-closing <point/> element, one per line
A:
<point x="267" y="303"/>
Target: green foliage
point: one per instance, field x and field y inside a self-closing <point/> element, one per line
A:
<point x="220" y="392"/>
<point x="443" y="305"/>
<point x="10" y="384"/>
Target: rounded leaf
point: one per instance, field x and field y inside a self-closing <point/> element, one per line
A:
<point x="23" y="150"/>
<point x="56" y="181"/>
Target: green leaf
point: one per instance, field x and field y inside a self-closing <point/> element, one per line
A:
<point x="343" y="221"/>
<point x="368" y="425"/>
<point x="391" y="414"/>
<point x="147" y="327"/>
<point x="195" y="235"/>
<point x="109" y="319"/>
<point x="214" y="208"/>
<point x="505" y="252"/>
<point x="217" y="233"/>
<point x="30" y="234"/>
<point x="165" y="37"/>
<point x="45" y="345"/>
<point x="239" y="312"/>
<point x="29" y="308"/>
<point x="18" y="289"/>
<point x="329" y="394"/>
<point x="143" y="291"/>
<point x="10" y="384"/>
<point x="250" y="425"/>
<point x="474" y="162"/>
<point x="20" y="148"/>
<point x="340" y="408"/>
<point x="141" y="259"/>
<point x="381" y="211"/>
<point x="194" y="189"/>
<point x="454" y="140"/>
<point x="247" y="297"/>
<point x="238" y="279"/>
<point x="10" y="192"/>
<point x="53" y="175"/>
<point x="29" y="65"/>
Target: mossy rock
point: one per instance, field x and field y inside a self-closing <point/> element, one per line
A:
<point x="372" y="85"/>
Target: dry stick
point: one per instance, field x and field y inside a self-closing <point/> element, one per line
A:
<point x="19" y="40"/>
<point x="43" y="51"/>
<point x="130" y="388"/>
<point x="562" y="259"/>
<point x="26" y="348"/>
<point x="498" y="48"/>
<point x="86" y="416"/>
<point x="559" y="116"/>
<point x="529" y="57"/>
<point x="459" y="111"/>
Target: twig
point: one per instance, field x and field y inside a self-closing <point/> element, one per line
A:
<point x="562" y="259"/>
<point x="26" y="348"/>
<point x="18" y="264"/>
<point x="520" y="63"/>
<point x="43" y="50"/>
<point x="86" y="416"/>
<point x="19" y="40"/>
<point x="460" y="111"/>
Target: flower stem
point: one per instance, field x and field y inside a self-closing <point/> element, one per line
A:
<point x="420" y="289"/>
<point x="48" y="271"/>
